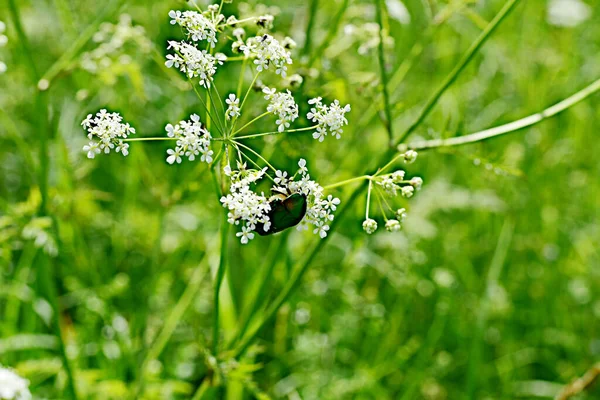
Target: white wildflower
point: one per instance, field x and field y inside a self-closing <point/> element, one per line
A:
<point x="416" y="182"/>
<point x="408" y="191"/>
<point x="198" y="26"/>
<point x="12" y="386"/>
<point x="392" y="225"/>
<point x="369" y="225"/>
<point x="267" y="51"/>
<point x="192" y="140"/>
<point x="283" y="106"/>
<point x="233" y="107"/>
<point x="401" y="214"/>
<point x="193" y="62"/>
<point x="330" y="119"/>
<point x="106" y="132"/>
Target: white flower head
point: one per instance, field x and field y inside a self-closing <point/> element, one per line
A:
<point x="369" y="225"/>
<point x="410" y="156"/>
<point x="12" y="386"/>
<point x="392" y="225"/>
<point x="198" y="26"/>
<point x="283" y="106"/>
<point x="267" y="52"/>
<point x="330" y="119"/>
<point x="192" y="140"/>
<point x="193" y="62"/>
<point x="106" y="132"/>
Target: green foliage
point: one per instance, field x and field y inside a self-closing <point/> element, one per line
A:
<point x="490" y="291"/>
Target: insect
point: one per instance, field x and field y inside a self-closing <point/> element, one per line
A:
<point x="285" y="213"/>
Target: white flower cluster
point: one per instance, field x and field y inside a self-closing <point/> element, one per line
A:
<point x="3" y="41"/>
<point x="244" y="204"/>
<point x="283" y="106"/>
<point x="233" y="107"/>
<point x="109" y="132"/>
<point x="111" y="40"/>
<point x="267" y="51"/>
<point x="198" y="26"/>
<point x="330" y="119"/>
<point x="252" y="208"/>
<point x="319" y="212"/>
<point x="12" y="386"/>
<point x="193" y="62"/>
<point x="192" y="140"/>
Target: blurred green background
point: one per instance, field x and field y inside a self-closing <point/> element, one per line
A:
<point x="490" y="291"/>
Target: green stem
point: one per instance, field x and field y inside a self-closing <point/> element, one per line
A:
<point x="347" y="181"/>
<point x="333" y="28"/>
<point x="238" y="93"/>
<point x="309" y="128"/>
<point x="217" y="121"/>
<point x="312" y="11"/>
<point x="466" y="59"/>
<point x="256" y="154"/>
<point x="245" y="98"/>
<point x="379" y="7"/>
<point x="293" y="283"/>
<point x="218" y="281"/>
<point x="148" y="139"/>
<point x="368" y="199"/>
<point x="251" y="122"/>
<point x="512" y="126"/>
<point x="209" y="115"/>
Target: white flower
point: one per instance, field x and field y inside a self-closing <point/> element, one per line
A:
<point x="192" y="140"/>
<point x="198" y="26"/>
<point x="369" y="225"/>
<point x="281" y="178"/>
<point x="267" y="51"/>
<point x="398" y="176"/>
<point x="401" y="214"/>
<point x="410" y="156"/>
<point x="416" y="182"/>
<point x="330" y="119"/>
<point x="233" y="107"/>
<point x="193" y="62"/>
<point x="283" y="106"/>
<point x="568" y="13"/>
<point x="388" y="185"/>
<point x="408" y="191"/>
<point x="302" y="165"/>
<point x="106" y="132"/>
<point x="392" y="225"/>
<point x="245" y="235"/>
<point x="12" y="386"/>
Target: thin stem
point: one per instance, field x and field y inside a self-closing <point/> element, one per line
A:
<point x="310" y="128"/>
<point x="241" y="153"/>
<point x="148" y="139"/>
<point x="378" y="196"/>
<point x="246" y="98"/>
<point x="368" y="198"/>
<point x="347" y="181"/>
<point x="241" y="21"/>
<point x="379" y="7"/>
<point x="312" y="11"/>
<point x="205" y="106"/>
<point x="512" y="126"/>
<point x="333" y="28"/>
<point x="218" y="121"/>
<point x="292" y="283"/>
<point x="256" y="154"/>
<point x="238" y="93"/>
<point x="218" y="281"/>
<point x="466" y="59"/>
<point x="251" y="122"/>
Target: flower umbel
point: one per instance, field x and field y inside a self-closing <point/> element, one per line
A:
<point x="283" y="106"/>
<point x="193" y="62"/>
<point x="12" y="386"/>
<point x="267" y="51"/>
<point x="330" y="119"/>
<point x="192" y="140"/>
<point x="106" y="132"/>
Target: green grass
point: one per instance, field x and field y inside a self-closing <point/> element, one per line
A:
<point x="490" y="291"/>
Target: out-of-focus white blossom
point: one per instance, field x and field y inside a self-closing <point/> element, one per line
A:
<point x="369" y="225"/>
<point x="3" y="41"/>
<point x="233" y="107"/>
<point x="192" y="62"/>
<point x="283" y="106"/>
<point x="568" y="13"/>
<point x="267" y="52"/>
<point x="392" y="225"/>
<point x="106" y="132"/>
<point x="192" y="141"/>
<point x="330" y="119"/>
<point x="12" y="386"/>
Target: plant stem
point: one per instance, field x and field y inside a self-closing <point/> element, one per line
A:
<point x="466" y="59"/>
<point x="312" y="11"/>
<point x="256" y="154"/>
<point x="209" y="115"/>
<point x="218" y="281"/>
<point x="379" y="7"/>
<point x="333" y="28"/>
<point x="293" y="283"/>
<point x="238" y="93"/>
<point x="347" y="181"/>
<point x="148" y="139"/>
<point x="309" y="128"/>
<point x="245" y="98"/>
<point x="512" y="126"/>
<point x="251" y="122"/>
